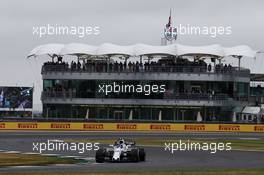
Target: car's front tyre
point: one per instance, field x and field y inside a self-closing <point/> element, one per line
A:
<point x="135" y="155"/>
<point x="142" y="154"/>
<point x="100" y="155"/>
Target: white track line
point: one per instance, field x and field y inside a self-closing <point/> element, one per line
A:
<point x="95" y="163"/>
<point x="248" y="138"/>
<point x="26" y="166"/>
<point x="30" y="153"/>
<point x="63" y="165"/>
<point x="244" y="150"/>
<point x="58" y="155"/>
<point x="55" y="140"/>
<point x="12" y="152"/>
<point x="50" y="154"/>
<point x="70" y="156"/>
<point x="88" y="158"/>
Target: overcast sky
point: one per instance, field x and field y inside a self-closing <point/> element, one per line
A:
<point x="121" y="22"/>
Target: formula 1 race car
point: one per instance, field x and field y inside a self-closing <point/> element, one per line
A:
<point x="122" y="150"/>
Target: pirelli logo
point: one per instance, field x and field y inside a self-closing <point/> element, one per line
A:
<point x="2" y="125"/>
<point x="93" y="126"/>
<point x="126" y="126"/>
<point x="259" y="128"/>
<point x="160" y="127"/>
<point x="27" y="125"/>
<point x="194" y="127"/>
<point x="60" y="125"/>
<point x="229" y="128"/>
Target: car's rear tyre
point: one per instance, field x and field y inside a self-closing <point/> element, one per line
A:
<point x="100" y="155"/>
<point x="135" y="155"/>
<point x="142" y="154"/>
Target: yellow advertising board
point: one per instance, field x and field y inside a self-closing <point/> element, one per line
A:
<point x="155" y="127"/>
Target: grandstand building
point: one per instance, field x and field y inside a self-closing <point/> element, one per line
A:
<point x="153" y="83"/>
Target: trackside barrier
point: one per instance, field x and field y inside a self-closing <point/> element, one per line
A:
<point x="158" y="127"/>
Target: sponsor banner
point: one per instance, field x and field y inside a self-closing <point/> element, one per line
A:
<point x="229" y="128"/>
<point x="160" y="127"/>
<point x="194" y="127"/>
<point x="26" y="125"/>
<point x="259" y="128"/>
<point x="92" y="126"/>
<point x="2" y="125"/>
<point x="126" y="126"/>
<point x="157" y="127"/>
<point x="60" y="126"/>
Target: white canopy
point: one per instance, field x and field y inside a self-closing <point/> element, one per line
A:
<point x="141" y="49"/>
<point x="47" y="49"/>
<point x="78" y="48"/>
<point x="215" y="50"/>
<point x="112" y="49"/>
<point x="144" y="49"/>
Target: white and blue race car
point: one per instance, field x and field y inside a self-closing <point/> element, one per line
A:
<point x="122" y="150"/>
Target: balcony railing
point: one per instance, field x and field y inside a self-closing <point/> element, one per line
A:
<point x="148" y="69"/>
<point x="178" y="96"/>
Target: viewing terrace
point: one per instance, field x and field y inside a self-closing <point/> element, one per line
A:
<point x="161" y="66"/>
<point x="175" y="58"/>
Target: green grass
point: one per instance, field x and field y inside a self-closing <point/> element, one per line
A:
<point x="13" y="159"/>
<point x="180" y="172"/>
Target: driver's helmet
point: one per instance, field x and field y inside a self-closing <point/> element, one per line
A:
<point x="121" y="141"/>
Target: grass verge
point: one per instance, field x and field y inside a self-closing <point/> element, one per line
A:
<point x="13" y="159"/>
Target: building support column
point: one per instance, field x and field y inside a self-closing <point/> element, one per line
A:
<point x="108" y="111"/>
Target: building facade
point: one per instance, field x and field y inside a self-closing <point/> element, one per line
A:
<point x="170" y="83"/>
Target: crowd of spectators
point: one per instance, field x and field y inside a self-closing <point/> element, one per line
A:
<point x="163" y="65"/>
<point x="58" y="65"/>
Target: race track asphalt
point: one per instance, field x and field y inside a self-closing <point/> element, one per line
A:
<point x="157" y="158"/>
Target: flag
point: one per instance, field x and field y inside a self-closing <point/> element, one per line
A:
<point x="169" y="23"/>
